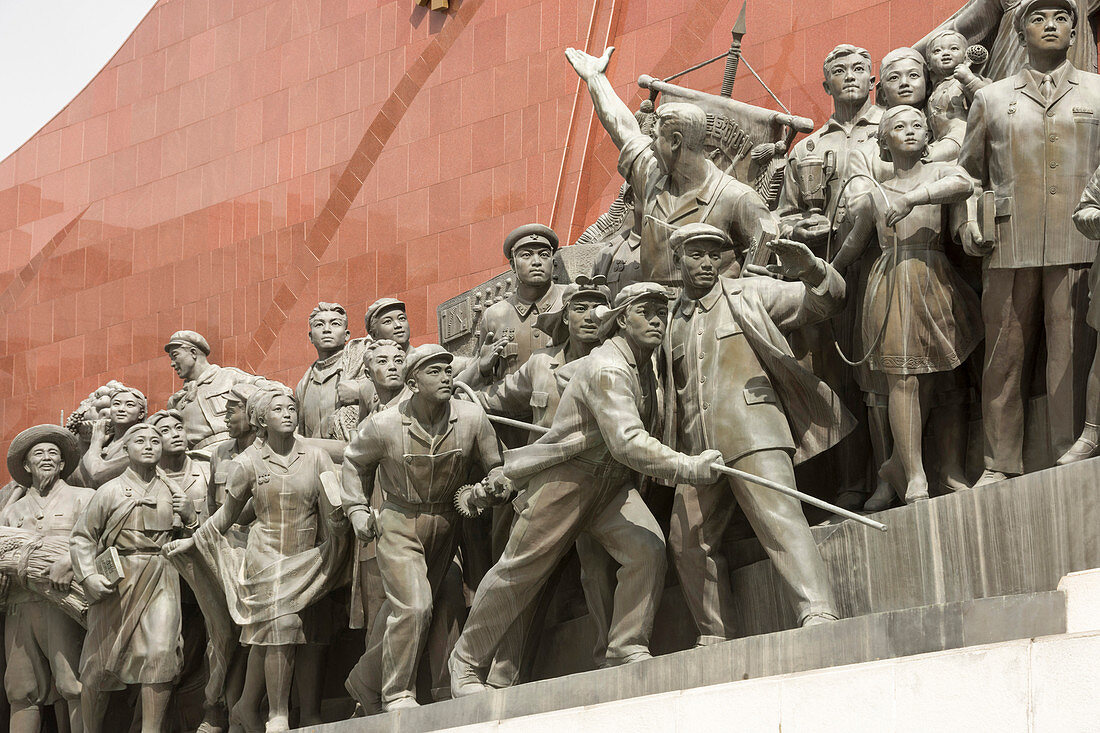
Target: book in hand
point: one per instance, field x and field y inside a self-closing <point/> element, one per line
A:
<point x="109" y="565"/>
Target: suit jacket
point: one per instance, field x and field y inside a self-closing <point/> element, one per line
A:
<point x="600" y="415"/>
<point x="211" y="392"/>
<point x="1036" y="157"/>
<point x="761" y="309"/>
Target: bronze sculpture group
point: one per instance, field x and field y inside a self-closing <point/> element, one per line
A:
<point x="400" y="485"/>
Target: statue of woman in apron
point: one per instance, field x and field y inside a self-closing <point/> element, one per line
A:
<point x="294" y="551"/>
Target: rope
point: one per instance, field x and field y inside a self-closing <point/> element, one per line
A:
<point x="893" y="279"/>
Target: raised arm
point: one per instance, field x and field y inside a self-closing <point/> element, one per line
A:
<point x="614" y="115"/>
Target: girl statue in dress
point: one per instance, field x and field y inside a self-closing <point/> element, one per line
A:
<point x="919" y="317"/>
<point x="106" y="457"/>
<point x="134" y="621"/>
<point x="293" y="556"/>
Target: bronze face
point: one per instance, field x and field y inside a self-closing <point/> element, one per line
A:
<point x="644" y="322"/>
<point x="433" y="381"/>
<point x="172" y="435"/>
<point x="328" y="331"/>
<point x="904" y="83"/>
<point x="43" y="462"/>
<point x="533" y="263"/>
<point x="392" y="324"/>
<point x="1049" y="29"/>
<point x="144" y="448"/>
<point x="183" y="359"/>
<point x="385" y="366"/>
<point x="849" y="79"/>
<point x="281" y="416"/>
<point x="579" y="318"/>
<point x="699" y="263"/>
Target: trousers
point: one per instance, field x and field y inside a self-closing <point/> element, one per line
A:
<point x="1015" y="304"/>
<point x="700" y="515"/>
<point x="558" y="505"/>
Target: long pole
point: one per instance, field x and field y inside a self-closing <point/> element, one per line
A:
<point x="811" y="500"/>
<point x="767" y="483"/>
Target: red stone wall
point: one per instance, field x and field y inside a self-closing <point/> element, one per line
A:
<point x="238" y="160"/>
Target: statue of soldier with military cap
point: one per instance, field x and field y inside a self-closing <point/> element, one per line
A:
<point x="205" y="389"/>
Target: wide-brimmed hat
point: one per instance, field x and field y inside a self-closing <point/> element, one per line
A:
<point x="1024" y="8"/>
<point x="425" y="354"/>
<point x="59" y="436"/>
<point x="627" y="297"/>
<point x="551" y="321"/>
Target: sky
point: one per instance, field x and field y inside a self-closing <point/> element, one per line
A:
<point x="49" y="51"/>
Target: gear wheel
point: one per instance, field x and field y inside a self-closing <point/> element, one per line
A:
<point x="466" y="502"/>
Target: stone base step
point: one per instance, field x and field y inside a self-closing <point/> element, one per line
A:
<point x="888" y="635"/>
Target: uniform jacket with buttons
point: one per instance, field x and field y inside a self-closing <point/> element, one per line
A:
<point x="210" y="391"/>
<point x="606" y="413"/>
<point x="416" y="467"/>
<point x="532" y="393"/>
<point x="620" y="262"/>
<point x="759" y="310"/>
<point x="518" y="318"/>
<point x="1036" y="157"/>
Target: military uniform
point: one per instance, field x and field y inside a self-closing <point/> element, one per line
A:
<point x="579" y="478"/>
<point x="517" y="319"/>
<point x="202" y="403"/>
<point x="42" y="643"/>
<point x="620" y="261"/>
<point x="1036" y="153"/>
<point x="720" y="200"/>
<point x="418" y="474"/>
<point x="739" y="390"/>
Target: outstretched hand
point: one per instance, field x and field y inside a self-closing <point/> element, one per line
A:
<point x="796" y="261"/>
<point x="588" y="66"/>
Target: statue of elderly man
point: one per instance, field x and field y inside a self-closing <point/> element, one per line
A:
<point x="41" y="642"/>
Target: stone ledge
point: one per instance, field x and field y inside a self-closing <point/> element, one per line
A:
<point x="878" y="636"/>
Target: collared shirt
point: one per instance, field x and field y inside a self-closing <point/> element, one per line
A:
<point x="202" y="403"/>
<point x="517" y="319"/>
<point x="416" y="466"/>
<point x="620" y="261"/>
<point x="840" y="140"/>
<point x="609" y="411"/>
<point x="317" y="397"/>
<point x="194" y="480"/>
<point x="720" y="200"/>
<point x="54" y="515"/>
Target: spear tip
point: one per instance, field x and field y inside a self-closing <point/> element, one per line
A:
<point x="739" y="28"/>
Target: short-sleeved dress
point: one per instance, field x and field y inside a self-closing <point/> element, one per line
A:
<point x="294" y="552"/>
<point x="935" y="321"/>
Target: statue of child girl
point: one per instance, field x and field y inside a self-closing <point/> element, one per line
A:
<point x="295" y="549"/>
<point x="919" y="317"/>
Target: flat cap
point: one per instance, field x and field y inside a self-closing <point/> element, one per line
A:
<point x="1025" y="8"/>
<point x="376" y="308"/>
<point x="187" y="338"/>
<point x="530" y="234"/>
<point x="631" y="294"/>
<point x="698" y="231"/>
<point x="425" y="354"/>
<point x="29" y="438"/>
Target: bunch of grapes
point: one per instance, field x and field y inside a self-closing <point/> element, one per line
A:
<point x="95" y="406"/>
